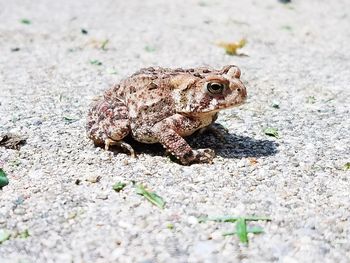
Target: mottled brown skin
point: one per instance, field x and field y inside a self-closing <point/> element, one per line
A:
<point x="164" y="105"/>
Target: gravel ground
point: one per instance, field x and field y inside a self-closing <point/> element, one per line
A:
<point x="61" y="185"/>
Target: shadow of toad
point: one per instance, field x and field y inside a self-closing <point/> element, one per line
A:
<point x="236" y="146"/>
<point x="233" y="146"/>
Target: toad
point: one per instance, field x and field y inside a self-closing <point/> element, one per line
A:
<point x="161" y="105"/>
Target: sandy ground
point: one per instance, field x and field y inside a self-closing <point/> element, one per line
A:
<point x="298" y="58"/>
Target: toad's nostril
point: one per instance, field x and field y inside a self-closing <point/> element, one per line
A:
<point x="239" y="90"/>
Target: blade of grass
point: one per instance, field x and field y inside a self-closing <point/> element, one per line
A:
<point x="232" y="219"/>
<point x="69" y="119"/>
<point x="229" y="233"/>
<point x="241" y="230"/>
<point x="255" y="230"/>
<point x="150" y="196"/>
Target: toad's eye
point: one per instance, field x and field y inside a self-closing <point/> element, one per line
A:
<point x="215" y="88"/>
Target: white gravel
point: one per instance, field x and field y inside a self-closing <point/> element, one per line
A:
<point x="298" y="57"/>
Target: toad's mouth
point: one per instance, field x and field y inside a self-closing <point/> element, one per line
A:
<point x="199" y="111"/>
<point x="227" y="106"/>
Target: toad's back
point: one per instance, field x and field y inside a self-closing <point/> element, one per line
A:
<point x="156" y="75"/>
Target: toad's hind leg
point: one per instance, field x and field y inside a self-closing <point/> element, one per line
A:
<point x="108" y="123"/>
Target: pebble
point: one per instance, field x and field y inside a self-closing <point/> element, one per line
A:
<point x="102" y="196"/>
<point x="93" y="178"/>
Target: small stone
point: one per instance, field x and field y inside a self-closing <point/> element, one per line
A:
<point x="102" y="196"/>
<point x="77" y="181"/>
<point x="37" y="122"/>
<point x="19" y="211"/>
<point x="289" y="259"/>
<point x="93" y="178"/>
<point x="192" y="220"/>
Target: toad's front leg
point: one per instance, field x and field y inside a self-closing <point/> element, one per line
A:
<point x="168" y="132"/>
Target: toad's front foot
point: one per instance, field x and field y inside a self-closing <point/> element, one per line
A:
<point x="194" y="156"/>
<point x="123" y="145"/>
<point x="168" y="133"/>
<point x="203" y="156"/>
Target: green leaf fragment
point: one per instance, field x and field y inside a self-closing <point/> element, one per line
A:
<point x="70" y="119"/>
<point x="119" y="186"/>
<point x="3" y="179"/>
<point x="347" y="166"/>
<point x="241" y="230"/>
<point x="150" y="196"/>
<point x="95" y="62"/>
<point x="170" y="226"/>
<point x="271" y="132"/>
<point x="232" y="47"/>
<point x="24" y="234"/>
<point x="311" y="99"/>
<point x="150" y="49"/>
<point x="287" y="27"/>
<point x="25" y="21"/>
<point x="275" y="105"/>
<point x="104" y="44"/>
<point x="111" y="71"/>
<point x="4" y="235"/>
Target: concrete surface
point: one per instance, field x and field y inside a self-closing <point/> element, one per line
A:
<point x="298" y="58"/>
